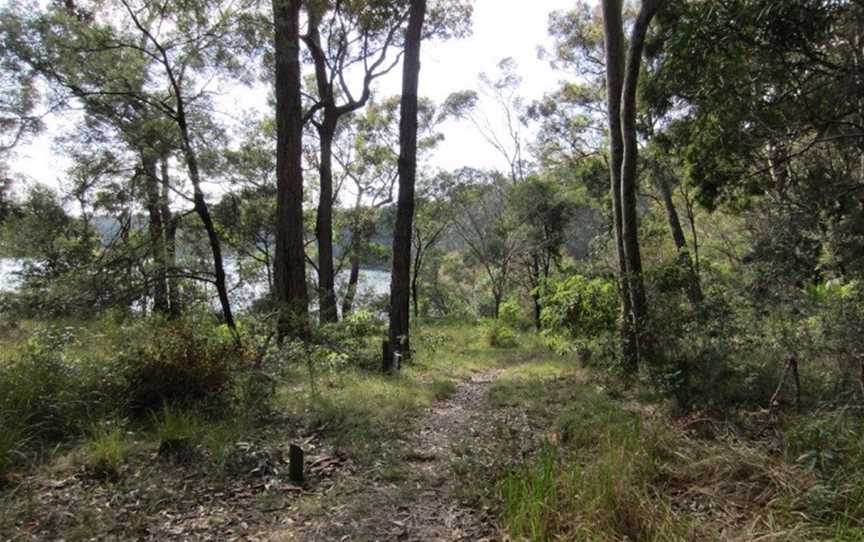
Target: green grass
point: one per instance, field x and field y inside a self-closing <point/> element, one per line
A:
<point x="618" y="468"/>
<point x="107" y="450"/>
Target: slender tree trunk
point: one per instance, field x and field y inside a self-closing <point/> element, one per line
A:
<point x="290" y="257"/>
<point x="613" y="34"/>
<point x="497" y="296"/>
<point x="399" y="282"/>
<point x="629" y="219"/>
<point x="535" y="295"/>
<point x="415" y="275"/>
<point x="694" y="289"/>
<point x="324" y="221"/>
<point x="157" y="234"/>
<point x="169" y="224"/>
<point x="353" y="279"/>
<point x="203" y="212"/>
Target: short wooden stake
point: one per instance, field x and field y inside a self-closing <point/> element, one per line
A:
<point x="295" y="467"/>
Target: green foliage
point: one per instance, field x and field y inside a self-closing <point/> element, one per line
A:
<point x="529" y="495"/>
<point x="40" y="388"/>
<point x="58" y="252"/>
<point x="512" y="314"/>
<point x="499" y="334"/>
<point x="579" y="307"/>
<point x="13" y="442"/>
<point x="107" y="450"/>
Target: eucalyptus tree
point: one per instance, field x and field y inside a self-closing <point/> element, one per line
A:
<point x="432" y="221"/>
<point x="18" y="101"/>
<point x="360" y="35"/>
<point x="622" y="76"/>
<point x="769" y="120"/>
<point x="543" y="209"/>
<point x="351" y="45"/>
<point x="493" y="240"/>
<point x="369" y="159"/>
<point x="400" y="276"/>
<point x="503" y="129"/>
<point x="151" y="63"/>
<point x="290" y="259"/>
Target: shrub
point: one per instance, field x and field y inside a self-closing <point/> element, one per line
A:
<point x="582" y="309"/>
<point x="183" y="363"/>
<point x="500" y="335"/>
<point x="512" y="314"/>
<point x="39" y="389"/>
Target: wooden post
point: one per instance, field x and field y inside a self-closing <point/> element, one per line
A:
<point x="295" y="467"/>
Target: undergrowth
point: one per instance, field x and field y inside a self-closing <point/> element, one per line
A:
<point x="621" y="469"/>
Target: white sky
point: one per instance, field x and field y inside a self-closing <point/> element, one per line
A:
<point x="502" y="28"/>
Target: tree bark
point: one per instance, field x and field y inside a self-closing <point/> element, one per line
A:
<point x="417" y="241"/>
<point x="290" y="257"/>
<point x="353" y="279"/>
<point x="535" y="284"/>
<point x="613" y="37"/>
<point x="169" y="223"/>
<point x="694" y="288"/>
<point x="324" y="220"/>
<point x="156" y="231"/>
<point x="629" y="218"/>
<point x="327" y="132"/>
<point x="400" y="277"/>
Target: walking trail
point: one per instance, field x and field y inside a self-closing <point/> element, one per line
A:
<point x="417" y="491"/>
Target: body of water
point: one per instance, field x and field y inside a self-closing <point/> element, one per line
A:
<point x="8" y="267"/>
<point x="372" y="283"/>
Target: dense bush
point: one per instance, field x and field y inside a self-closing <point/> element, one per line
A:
<point x="512" y="313"/>
<point x="41" y="389"/>
<point x="178" y="363"/>
<point x="584" y="310"/>
<point x="499" y="334"/>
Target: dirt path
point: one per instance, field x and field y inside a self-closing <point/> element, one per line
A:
<point x="415" y="492"/>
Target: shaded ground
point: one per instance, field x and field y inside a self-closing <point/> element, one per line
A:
<point x="416" y="491"/>
<point x="428" y="481"/>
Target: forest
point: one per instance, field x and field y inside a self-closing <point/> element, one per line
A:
<point x="259" y="285"/>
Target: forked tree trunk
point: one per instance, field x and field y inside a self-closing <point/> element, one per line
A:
<point x="629" y="218"/>
<point x="613" y="36"/>
<point x="290" y="258"/>
<point x="401" y="274"/>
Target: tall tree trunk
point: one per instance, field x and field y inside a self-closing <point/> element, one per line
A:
<point x="157" y="234"/>
<point x="169" y="224"/>
<point x="629" y="219"/>
<point x="203" y="212"/>
<point x="694" y="289"/>
<point x="324" y="221"/>
<point x="289" y="260"/>
<point x="399" y="282"/>
<point x="613" y="34"/>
